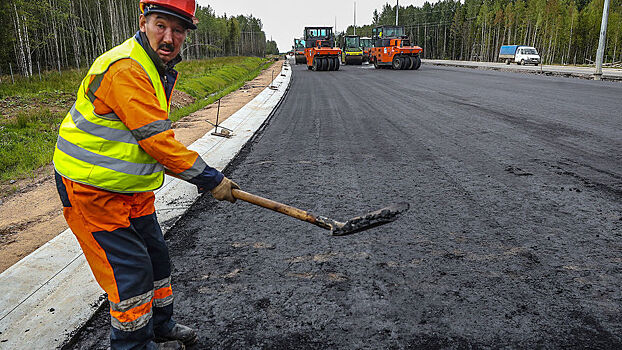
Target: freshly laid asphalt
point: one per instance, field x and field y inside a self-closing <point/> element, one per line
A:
<point x="513" y="239"/>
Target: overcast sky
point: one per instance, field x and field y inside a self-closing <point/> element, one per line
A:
<point x="284" y="20"/>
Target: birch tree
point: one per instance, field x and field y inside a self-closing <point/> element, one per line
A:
<point x="60" y="34"/>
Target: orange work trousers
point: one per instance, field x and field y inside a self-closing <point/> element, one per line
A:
<point x="124" y="246"/>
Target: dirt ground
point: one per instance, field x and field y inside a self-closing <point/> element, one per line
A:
<point x="32" y="215"/>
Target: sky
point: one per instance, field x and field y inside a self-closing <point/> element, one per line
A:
<point x="284" y="20"/>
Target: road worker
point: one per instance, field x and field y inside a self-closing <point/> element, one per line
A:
<point x="112" y="152"/>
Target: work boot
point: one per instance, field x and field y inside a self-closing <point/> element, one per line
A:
<point x="170" y="345"/>
<point x="182" y="333"/>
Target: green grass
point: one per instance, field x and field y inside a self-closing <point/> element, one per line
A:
<point x="31" y="110"/>
<point x="209" y="80"/>
<point x="50" y="83"/>
<point x="27" y="142"/>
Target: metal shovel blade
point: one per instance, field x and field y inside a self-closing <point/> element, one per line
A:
<point x="367" y="221"/>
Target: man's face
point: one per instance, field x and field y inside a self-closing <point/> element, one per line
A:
<point x="166" y="34"/>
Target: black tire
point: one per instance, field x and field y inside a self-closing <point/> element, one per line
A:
<point x="397" y="63"/>
<point x="336" y="64"/>
<point x="417" y="63"/>
<point x="355" y="61"/>
<point x="317" y="64"/>
<point x="521" y="63"/>
<point x="324" y="64"/>
<point x="376" y="63"/>
<point x="403" y="63"/>
<point x="410" y="63"/>
<point x="507" y="61"/>
<point x="309" y="67"/>
<point x="331" y="64"/>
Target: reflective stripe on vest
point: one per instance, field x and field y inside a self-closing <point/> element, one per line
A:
<point x="99" y="150"/>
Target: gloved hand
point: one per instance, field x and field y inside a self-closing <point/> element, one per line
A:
<point x="222" y="192"/>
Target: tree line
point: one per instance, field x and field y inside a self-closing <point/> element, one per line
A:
<point x="563" y="31"/>
<point x="59" y="34"/>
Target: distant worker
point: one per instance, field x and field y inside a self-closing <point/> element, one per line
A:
<point x="112" y="152"/>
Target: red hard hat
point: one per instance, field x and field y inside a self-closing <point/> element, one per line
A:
<point x="181" y="8"/>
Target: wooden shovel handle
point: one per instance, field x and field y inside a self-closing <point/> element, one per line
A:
<point x="280" y="208"/>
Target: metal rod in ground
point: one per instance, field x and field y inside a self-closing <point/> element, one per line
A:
<point x="217" y="116"/>
<point x="600" y="54"/>
<point x="224" y="131"/>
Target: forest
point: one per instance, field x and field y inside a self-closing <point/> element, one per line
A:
<point x="563" y="31"/>
<point x="60" y="34"/>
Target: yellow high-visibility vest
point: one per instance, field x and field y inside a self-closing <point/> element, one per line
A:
<point x="99" y="150"/>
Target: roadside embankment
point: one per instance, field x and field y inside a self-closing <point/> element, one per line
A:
<point x="30" y="212"/>
<point x="31" y="109"/>
<point x="208" y="80"/>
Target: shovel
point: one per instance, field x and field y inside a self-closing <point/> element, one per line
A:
<point x="336" y="228"/>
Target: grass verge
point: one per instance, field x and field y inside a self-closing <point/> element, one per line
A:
<point x="209" y="80"/>
<point x="27" y="142"/>
<point x="31" y="110"/>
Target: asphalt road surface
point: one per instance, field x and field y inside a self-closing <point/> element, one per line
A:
<point x="513" y="239"/>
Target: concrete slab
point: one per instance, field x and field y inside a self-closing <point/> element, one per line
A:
<point x="569" y="71"/>
<point x="51" y="293"/>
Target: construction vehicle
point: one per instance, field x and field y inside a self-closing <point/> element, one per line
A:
<point x="392" y="48"/>
<point x="320" y="50"/>
<point x="299" y="51"/>
<point x="366" y="44"/>
<point x="351" y="50"/>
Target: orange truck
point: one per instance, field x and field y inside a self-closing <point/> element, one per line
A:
<point x="299" y="51"/>
<point x="393" y="49"/>
<point x="320" y="50"/>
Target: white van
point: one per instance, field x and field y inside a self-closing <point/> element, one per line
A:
<point x="519" y="54"/>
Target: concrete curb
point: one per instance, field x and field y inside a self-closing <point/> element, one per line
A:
<point x="570" y="72"/>
<point x="51" y="293"/>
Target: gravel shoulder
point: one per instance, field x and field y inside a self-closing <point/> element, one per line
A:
<point x="583" y="72"/>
